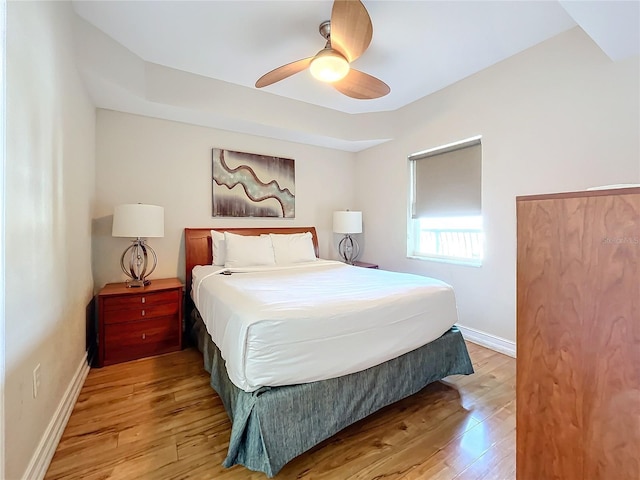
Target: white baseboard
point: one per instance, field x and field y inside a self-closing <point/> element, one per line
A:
<point x="498" y="344"/>
<point x="49" y="442"/>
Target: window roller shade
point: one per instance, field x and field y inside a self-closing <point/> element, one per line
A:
<point x="448" y="182"/>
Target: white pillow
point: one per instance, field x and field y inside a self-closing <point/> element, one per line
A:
<point x="219" y="248"/>
<point x="248" y="251"/>
<point x="293" y="248"/>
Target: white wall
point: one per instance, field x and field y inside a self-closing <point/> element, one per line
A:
<point x="49" y="191"/>
<point x="3" y="129"/>
<point x="141" y="159"/>
<point x="560" y="116"/>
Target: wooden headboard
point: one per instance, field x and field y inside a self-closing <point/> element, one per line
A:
<point x="198" y="248"/>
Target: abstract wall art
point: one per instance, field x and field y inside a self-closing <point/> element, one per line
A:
<point x="252" y="185"/>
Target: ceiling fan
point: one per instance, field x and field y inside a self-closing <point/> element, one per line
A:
<point x="348" y="35"/>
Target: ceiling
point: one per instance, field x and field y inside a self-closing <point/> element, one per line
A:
<point x="169" y="58"/>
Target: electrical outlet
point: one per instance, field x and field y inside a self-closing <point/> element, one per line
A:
<point x="36" y="381"/>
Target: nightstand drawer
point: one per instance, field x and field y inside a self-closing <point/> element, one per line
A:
<point x="127" y="341"/>
<point x="140" y="300"/>
<point x="141" y="312"/>
<point x="139" y="322"/>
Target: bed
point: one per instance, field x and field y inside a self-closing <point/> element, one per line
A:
<point x="279" y="414"/>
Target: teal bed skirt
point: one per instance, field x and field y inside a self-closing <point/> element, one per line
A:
<point x="273" y="425"/>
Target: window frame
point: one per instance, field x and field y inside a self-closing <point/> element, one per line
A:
<point x="413" y="224"/>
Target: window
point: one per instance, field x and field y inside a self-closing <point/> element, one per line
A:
<point x="446" y="203"/>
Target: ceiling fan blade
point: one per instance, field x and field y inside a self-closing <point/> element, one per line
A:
<point x="351" y="28"/>
<point x="283" y="72"/>
<point x="362" y="86"/>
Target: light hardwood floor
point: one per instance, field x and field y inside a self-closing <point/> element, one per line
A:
<point x="159" y="419"/>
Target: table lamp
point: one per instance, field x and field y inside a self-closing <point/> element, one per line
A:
<point x="138" y="221"/>
<point x="348" y="223"/>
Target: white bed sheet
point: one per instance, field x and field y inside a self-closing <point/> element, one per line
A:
<point x="318" y="320"/>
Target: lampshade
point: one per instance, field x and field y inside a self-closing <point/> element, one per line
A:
<point x="347" y="222"/>
<point x="329" y="66"/>
<point x="138" y="220"/>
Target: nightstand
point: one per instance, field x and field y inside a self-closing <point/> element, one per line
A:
<point x="139" y="322"/>
<point x="365" y="265"/>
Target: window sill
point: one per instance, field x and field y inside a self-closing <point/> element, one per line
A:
<point x="467" y="262"/>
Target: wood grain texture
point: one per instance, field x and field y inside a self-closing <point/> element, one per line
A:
<point x="141" y="338"/>
<point x="578" y="337"/>
<point x="158" y="418"/>
<point x="285" y="71"/>
<point x="156" y="285"/>
<point x="361" y="85"/>
<point x="351" y="28"/>
<point x="121" y="302"/>
<point x="579" y="194"/>
<point x="138" y="322"/>
<point x="611" y="342"/>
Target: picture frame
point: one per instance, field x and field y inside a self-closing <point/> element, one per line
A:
<point x="252" y="185"/>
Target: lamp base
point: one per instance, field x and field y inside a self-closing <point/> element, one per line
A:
<point x="137" y="254"/>
<point x="349" y="249"/>
<point x="134" y="283"/>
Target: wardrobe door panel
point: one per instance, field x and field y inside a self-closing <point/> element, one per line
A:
<point x="578" y="336"/>
<point x="611" y="343"/>
<point x="549" y="400"/>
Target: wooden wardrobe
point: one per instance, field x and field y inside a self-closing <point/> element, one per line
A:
<point x="578" y="336"/>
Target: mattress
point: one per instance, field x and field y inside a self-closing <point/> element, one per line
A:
<point x="279" y="326"/>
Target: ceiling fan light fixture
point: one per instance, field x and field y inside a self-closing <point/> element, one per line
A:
<point x="329" y="66"/>
<point x="351" y="28"/>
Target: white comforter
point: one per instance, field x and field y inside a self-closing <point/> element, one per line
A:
<point x="288" y="325"/>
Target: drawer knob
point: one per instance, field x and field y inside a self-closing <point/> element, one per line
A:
<point x="144" y="336"/>
<point x="143" y="313"/>
<point x="144" y="300"/>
